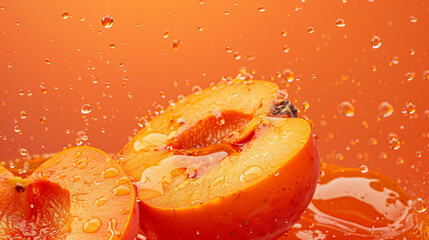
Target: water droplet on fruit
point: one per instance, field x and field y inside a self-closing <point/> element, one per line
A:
<point x="101" y="201"/>
<point x="261" y="9"/>
<point x="340" y="23"/>
<point x="250" y="173"/>
<point x="310" y="30"/>
<point x="107" y="21"/>
<point x="419" y="154"/>
<point x="112" y="46"/>
<point x="65" y="15"/>
<point x="385" y="109"/>
<point x="122" y="180"/>
<point x="75" y="178"/>
<point x="363" y="169"/>
<point x="426" y="75"/>
<point x="110" y="172"/>
<point x="92" y="225"/>
<point x="376" y="42"/>
<point x="121" y="190"/>
<point x="420" y="205"/>
<point x="347" y="109"/>
<point x="81" y="163"/>
<point x="86" y="108"/>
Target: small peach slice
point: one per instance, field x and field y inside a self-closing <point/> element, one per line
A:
<point x="227" y="163"/>
<point x="80" y="193"/>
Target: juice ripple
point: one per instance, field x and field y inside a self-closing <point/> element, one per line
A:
<point x="352" y="204"/>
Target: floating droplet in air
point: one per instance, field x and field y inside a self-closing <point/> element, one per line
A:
<point x="376" y="42"/>
<point x="86" y="108"/>
<point x="385" y="109"/>
<point x="107" y="21"/>
<point x="347" y="109"/>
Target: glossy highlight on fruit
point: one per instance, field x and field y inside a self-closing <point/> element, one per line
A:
<point x="228" y="162"/>
<point x="70" y="196"/>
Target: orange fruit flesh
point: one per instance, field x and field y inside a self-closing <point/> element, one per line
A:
<point x="248" y="99"/>
<point x="80" y="193"/>
<point x="221" y="173"/>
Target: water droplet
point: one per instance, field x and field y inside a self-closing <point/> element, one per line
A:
<point x="42" y="119"/>
<point x="17" y="129"/>
<point x="75" y="178"/>
<point x="286" y="49"/>
<point x="110" y="172"/>
<point x="310" y="30"/>
<point x="410" y="108"/>
<point x="376" y="42"/>
<point x="92" y="225"/>
<point x="175" y="45"/>
<point x="288" y="75"/>
<point x="227" y="12"/>
<point x="372" y="142"/>
<point x="426" y="75"/>
<point x="385" y="109"/>
<point x="237" y="56"/>
<point x="420" y="205"/>
<point x="251" y="173"/>
<point x="363" y="169"/>
<point x="107" y="21"/>
<point x="395" y="60"/>
<point x="229" y="50"/>
<point x="261" y="9"/>
<point x="112" y="46"/>
<point x="81" y="163"/>
<point x="166" y="34"/>
<point x="65" y="15"/>
<point x="23" y="114"/>
<point x="121" y="190"/>
<point x="122" y="180"/>
<point x="196" y="89"/>
<point x="23" y="152"/>
<point x="340" y="22"/>
<point x="305" y="105"/>
<point x="413" y="19"/>
<point x="347" y="109"/>
<point x="394" y="142"/>
<point x="101" y="201"/>
<point x="409" y="76"/>
<point x="200" y="28"/>
<point x="426" y="114"/>
<point x="86" y="108"/>
<point x="419" y="154"/>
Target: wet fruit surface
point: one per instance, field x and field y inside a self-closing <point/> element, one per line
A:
<point x="76" y="194"/>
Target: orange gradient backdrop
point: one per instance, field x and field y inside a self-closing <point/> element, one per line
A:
<point x="73" y="60"/>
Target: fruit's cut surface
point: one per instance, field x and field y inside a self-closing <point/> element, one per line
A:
<point x="229" y="162"/>
<point x="80" y="193"/>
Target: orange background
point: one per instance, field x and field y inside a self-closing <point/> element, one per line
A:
<point x="331" y="65"/>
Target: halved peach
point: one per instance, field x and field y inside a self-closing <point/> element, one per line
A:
<point x="80" y="193"/>
<point x="224" y="163"/>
